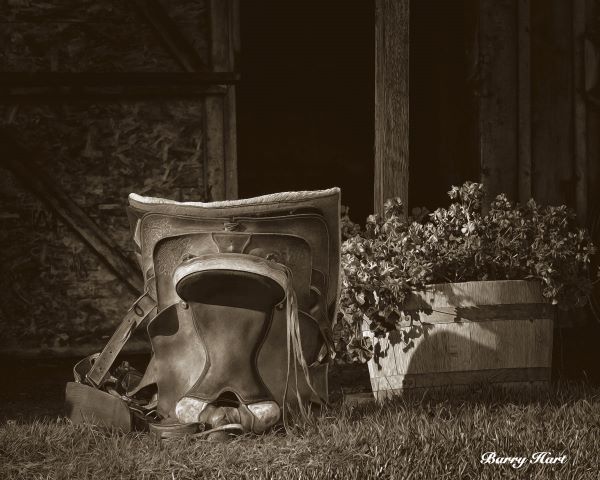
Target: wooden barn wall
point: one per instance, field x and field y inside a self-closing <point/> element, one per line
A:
<point x="56" y="295"/>
<point x="536" y="67"/>
<point x="537" y="87"/>
<point x="92" y="36"/>
<point x="553" y="155"/>
<point x="496" y="91"/>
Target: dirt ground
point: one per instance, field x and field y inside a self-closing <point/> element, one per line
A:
<point x="34" y="388"/>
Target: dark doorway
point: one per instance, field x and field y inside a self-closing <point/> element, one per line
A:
<point x="305" y="99"/>
<point x="443" y="81"/>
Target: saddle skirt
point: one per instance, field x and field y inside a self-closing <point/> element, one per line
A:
<point x="245" y="294"/>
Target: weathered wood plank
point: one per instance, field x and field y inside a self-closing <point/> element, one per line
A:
<point x="19" y="161"/>
<point x="592" y="73"/>
<point x="67" y="11"/>
<point x="235" y="30"/>
<point x="524" y="105"/>
<point x="508" y="327"/>
<point x="552" y="102"/>
<point x="592" y="81"/>
<point x="498" y="127"/>
<point x="231" y="172"/>
<point x="214" y="173"/>
<point x="221" y="48"/>
<point x="469" y="346"/>
<point x="391" y="101"/>
<point x="115" y="79"/>
<point x="483" y="313"/>
<point x="580" y="111"/>
<point x="474" y="294"/>
<point x="62" y="94"/>
<point x="396" y="384"/>
<point x="221" y="124"/>
<point x="230" y="142"/>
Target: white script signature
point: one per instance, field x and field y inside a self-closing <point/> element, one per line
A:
<point x="517" y="462"/>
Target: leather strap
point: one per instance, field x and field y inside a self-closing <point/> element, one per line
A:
<point x="168" y="431"/>
<point x="326" y="352"/>
<point x="172" y="430"/>
<point x="144" y="307"/>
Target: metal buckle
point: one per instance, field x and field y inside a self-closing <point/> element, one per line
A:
<point x="135" y="307"/>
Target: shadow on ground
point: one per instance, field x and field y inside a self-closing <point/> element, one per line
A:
<point x="35" y="388"/>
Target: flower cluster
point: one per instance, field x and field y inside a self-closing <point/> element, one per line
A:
<point x="468" y="241"/>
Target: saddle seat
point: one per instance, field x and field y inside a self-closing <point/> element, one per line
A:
<point x="229" y="299"/>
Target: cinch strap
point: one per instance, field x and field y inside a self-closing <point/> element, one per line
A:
<point x="142" y="308"/>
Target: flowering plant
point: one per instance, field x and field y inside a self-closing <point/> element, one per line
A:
<point x="394" y="256"/>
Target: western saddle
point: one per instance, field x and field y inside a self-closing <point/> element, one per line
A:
<point x="239" y="301"/>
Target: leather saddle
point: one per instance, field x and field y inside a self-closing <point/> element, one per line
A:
<point x="239" y="301"/>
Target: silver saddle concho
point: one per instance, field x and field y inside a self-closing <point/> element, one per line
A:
<point x="239" y="301"/>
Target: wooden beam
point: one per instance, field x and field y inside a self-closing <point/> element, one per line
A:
<point x="221" y="142"/>
<point x="57" y="86"/>
<point x="498" y="68"/>
<point x="391" y="101"/>
<point x="18" y="160"/>
<point x="172" y="38"/>
<point x="70" y="93"/>
<point x="524" y="101"/>
<point x="221" y="35"/>
<point x="116" y="79"/>
<point x="214" y="171"/>
<point x="230" y="125"/>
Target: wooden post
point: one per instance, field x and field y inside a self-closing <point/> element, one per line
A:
<point x="497" y="46"/>
<point x="552" y="135"/>
<point x="592" y="80"/>
<point x="580" y="111"/>
<point x="221" y="142"/>
<point x="391" y="100"/>
<point x="231" y="173"/>
<point x="524" y="102"/>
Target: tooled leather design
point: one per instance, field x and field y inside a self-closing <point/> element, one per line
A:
<point x="311" y="227"/>
<point x="167" y="258"/>
<point x="157" y="231"/>
<point x="180" y="352"/>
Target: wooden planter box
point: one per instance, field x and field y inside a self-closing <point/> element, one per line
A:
<point x="496" y="332"/>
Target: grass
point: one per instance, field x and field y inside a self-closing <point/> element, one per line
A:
<point x="433" y="437"/>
